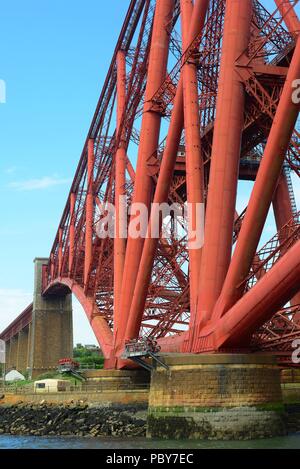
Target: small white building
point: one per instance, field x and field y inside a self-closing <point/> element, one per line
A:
<point x="51" y="385"/>
<point x="14" y="375"/>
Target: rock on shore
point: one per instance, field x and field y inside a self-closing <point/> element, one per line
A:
<point x="78" y="419"/>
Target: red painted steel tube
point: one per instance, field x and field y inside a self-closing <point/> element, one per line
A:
<point x="290" y="16"/>
<point x="72" y="231"/>
<point x="257" y="306"/>
<point x="263" y="190"/>
<point x="162" y="187"/>
<point x="149" y="138"/>
<point x="281" y="203"/>
<point x="224" y="170"/>
<point x="161" y="195"/>
<point x="194" y="161"/>
<point x="283" y="213"/>
<point x="120" y="180"/>
<point x="89" y="212"/>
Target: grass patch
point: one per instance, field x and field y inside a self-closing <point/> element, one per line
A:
<point x="50" y="375"/>
<point x="56" y="375"/>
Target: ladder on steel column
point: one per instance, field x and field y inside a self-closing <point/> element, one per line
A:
<point x="287" y="173"/>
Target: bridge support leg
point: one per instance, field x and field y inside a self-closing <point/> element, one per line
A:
<point x="13" y="353"/>
<point x="149" y="138"/>
<point x="225" y="159"/>
<point x="262" y="194"/>
<point x="51" y="336"/>
<point x="283" y="212"/>
<point x="194" y="161"/>
<point x="222" y="397"/>
<point x="22" y="350"/>
<point x="7" y="355"/>
<point x="29" y="346"/>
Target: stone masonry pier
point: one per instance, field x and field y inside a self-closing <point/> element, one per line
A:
<point x="216" y="397"/>
<point x="42" y="334"/>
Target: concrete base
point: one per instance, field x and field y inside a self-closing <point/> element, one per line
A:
<point x="222" y="397"/>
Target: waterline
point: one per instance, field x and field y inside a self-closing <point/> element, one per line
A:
<point x="34" y="442"/>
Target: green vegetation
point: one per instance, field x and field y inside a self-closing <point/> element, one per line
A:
<point x="87" y="357"/>
<point x="50" y="375"/>
<point x="18" y="384"/>
<point x="56" y="375"/>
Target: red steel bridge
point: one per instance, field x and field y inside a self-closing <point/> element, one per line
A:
<point x="198" y="96"/>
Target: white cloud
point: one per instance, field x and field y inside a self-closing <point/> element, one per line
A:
<point x="39" y="184"/>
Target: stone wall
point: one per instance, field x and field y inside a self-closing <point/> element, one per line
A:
<point x="216" y="397"/>
<point x="130" y="397"/>
<point x="118" y="379"/>
<point x="22" y="358"/>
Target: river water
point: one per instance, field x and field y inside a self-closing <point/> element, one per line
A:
<point x="33" y="442"/>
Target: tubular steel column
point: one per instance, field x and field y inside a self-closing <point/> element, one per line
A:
<point x="263" y="190"/>
<point x="257" y="306"/>
<point x="162" y="187"/>
<point x="149" y="138"/>
<point x="281" y="203"/>
<point x="289" y="15"/>
<point x="89" y="212"/>
<point x="224" y="161"/>
<point x="161" y="195"/>
<point x="72" y="231"/>
<point x="194" y="161"/>
<point x="120" y="180"/>
<point x="283" y="213"/>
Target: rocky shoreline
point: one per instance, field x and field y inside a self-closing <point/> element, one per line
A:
<point x="91" y="420"/>
<point x="74" y="419"/>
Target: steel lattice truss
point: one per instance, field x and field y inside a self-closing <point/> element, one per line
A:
<point x="197" y="97"/>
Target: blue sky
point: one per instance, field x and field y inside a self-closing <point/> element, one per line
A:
<point x="54" y="56"/>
